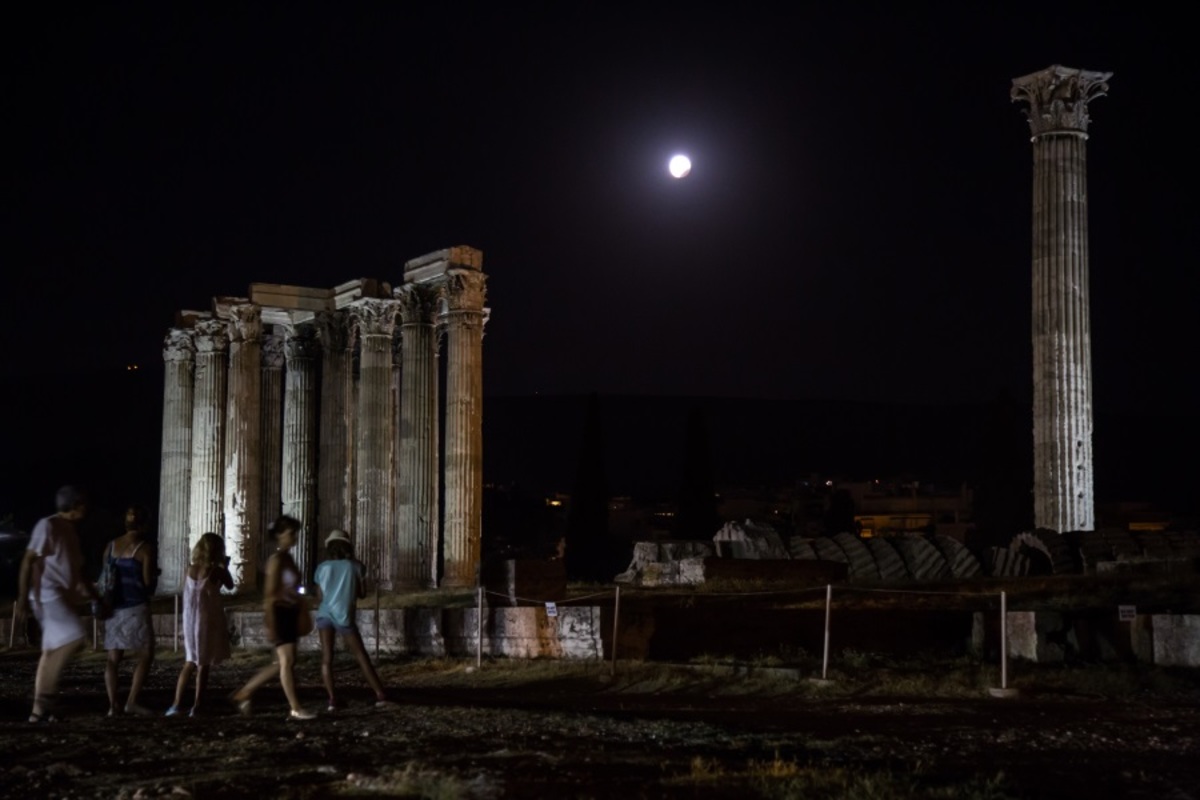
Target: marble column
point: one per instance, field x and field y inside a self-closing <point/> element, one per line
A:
<point x="1062" y="361"/>
<point x="271" y="433"/>
<point x="417" y="502"/>
<point x="465" y="290"/>
<point x="333" y="475"/>
<point x="205" y="497"/>
<point x="300" y="443"/>
<point x="394" y="465"/>
<point x="375" y="320"/>
<point x="242" y="453"/>
<point x="179" y="357"/>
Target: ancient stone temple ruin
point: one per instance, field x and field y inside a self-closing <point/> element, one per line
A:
<point x="324" y="404"/>
<point x="1062" y="344"/>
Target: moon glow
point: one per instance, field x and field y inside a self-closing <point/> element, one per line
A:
<point x="679" y="166"/>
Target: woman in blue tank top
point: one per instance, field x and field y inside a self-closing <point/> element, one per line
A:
<point x="133" y="560"/>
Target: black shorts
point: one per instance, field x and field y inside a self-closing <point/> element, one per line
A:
<point x="287" y="629"/>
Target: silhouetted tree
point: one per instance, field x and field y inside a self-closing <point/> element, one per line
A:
<point x="696" y="516"/>
<point x="1003" y="503"/>
<point x="840" y="516"/>
<point x="590" y="550"/>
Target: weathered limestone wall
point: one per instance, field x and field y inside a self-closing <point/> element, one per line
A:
<point x="176" y="470"/>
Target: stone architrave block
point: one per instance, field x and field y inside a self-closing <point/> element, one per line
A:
<point x="1176" y="641"/>
<point x="747" y="540"/>
<point x="1036" y="636"/>
<point x="691" y="571"/>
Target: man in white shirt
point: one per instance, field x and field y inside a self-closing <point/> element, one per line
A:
<point x="51" y="583"/>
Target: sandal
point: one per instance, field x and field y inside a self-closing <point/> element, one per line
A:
<point x="42" y="718"/>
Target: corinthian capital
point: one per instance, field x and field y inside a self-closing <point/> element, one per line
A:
<point x="465" y="291"/>
<point x="245" y="323"/>
<point x="331" y="331"/>
<point x="1058" y="98"/>
<point x="272" y="350"/>
<point x="179" y="346"/>
<point x="375" y="317"/>
<point x="418" y="303"/>
<point x="300" y="341"/>
<point x="211" y="336"/>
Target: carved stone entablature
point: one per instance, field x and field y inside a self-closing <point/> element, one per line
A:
<point x="272" y="350"/>
<point x="245" y="323"/>
<point x="211" y="336"/>
<point x="300" y="341"/>
<point x="179" y="346"/>
<point x="1058" y="98"/>
<point x="465" y="291"/>
<point x="374" y="317"/>
<point x="418" y="303"/>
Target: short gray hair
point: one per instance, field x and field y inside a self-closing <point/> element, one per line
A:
<point x="69" y="498"/>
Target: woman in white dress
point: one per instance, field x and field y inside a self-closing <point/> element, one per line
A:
<point x="205" y="634"/>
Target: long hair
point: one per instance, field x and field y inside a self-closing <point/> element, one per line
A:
<point x="209" y="551"/>
<point x="285" y="523"/>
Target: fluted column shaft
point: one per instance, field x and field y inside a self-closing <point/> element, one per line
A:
<point x="335" y="444"/>
<point x="300" y="443"/>
<point x="417" y="506"/>
<point x="242" y="446"/>
<point x="464" y="429"/>
<point x="1062" y="359"/>
<point x="205" y="498"/>
<point x="376" y="321"/>
<point x="1062" y="343"/>
<point x="394" y="402"/>
<point x="271" y="438"/>
<point x="176" y="468"/>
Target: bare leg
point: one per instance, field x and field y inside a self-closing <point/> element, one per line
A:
<point x="145" y="660"/>
<point x="201" y="684"/>
<point x="327" y="662"/>
<point x="185" y="675"/>
<point x="259" y="678"/>
<point x="287" y="673"/>
<point x="110" y="679"/>
<point x="50" y="667"/>
<point x="355" y="643"/>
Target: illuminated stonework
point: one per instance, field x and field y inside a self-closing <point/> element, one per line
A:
<point x="349" y="441"/>
<point x="1062" y="345"/>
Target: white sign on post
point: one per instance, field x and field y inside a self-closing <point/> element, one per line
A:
<point x="551" y="610"/>
<point x="1126" y="613"/>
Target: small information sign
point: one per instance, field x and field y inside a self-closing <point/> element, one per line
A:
<point x="551" y="610"/>
<point x="1126" y="613"/>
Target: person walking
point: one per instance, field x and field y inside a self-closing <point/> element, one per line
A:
<point x="282" y="611"/>
<point x="205" y="635"/>
<point x="132" y="560"/>
<point x="340" y="580"/>
<point x="51" y="583"/>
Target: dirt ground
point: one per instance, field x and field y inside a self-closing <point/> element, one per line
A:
<point x="548" y="729"/>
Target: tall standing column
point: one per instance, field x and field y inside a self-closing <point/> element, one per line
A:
<point x="242" y="467"/>
<point x="205" y="497"/>
<point x="376" y="323"/>
<point x="394" y="401"/>
<point x="334" y="338"/>
<point x="179" y="353"/>
<point x="465" y="290"/>
<point x="1062" y="359"/>
<point x="300" y="442"/>
<point x="270" y="436"/>
<point x="416" y="553"/>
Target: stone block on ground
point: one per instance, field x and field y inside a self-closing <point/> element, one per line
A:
<point x="749" y="540"/>
<point x="862" y="565"/>
<point x="922" y="559"/>
<point x="887" y="560"/>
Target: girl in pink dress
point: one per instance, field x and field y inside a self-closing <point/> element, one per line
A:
<point x="205" y="636"/>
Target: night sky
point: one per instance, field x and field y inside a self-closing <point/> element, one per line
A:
<point x="857" y="223"/>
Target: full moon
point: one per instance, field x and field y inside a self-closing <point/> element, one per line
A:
<point x="679" y="166"/>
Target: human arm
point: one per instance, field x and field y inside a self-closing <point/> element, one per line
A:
<point x="360" y="580"/>
<point x="150" y="567"/>
<point x="271" y="587"/>
<point x="24" y="579"/>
